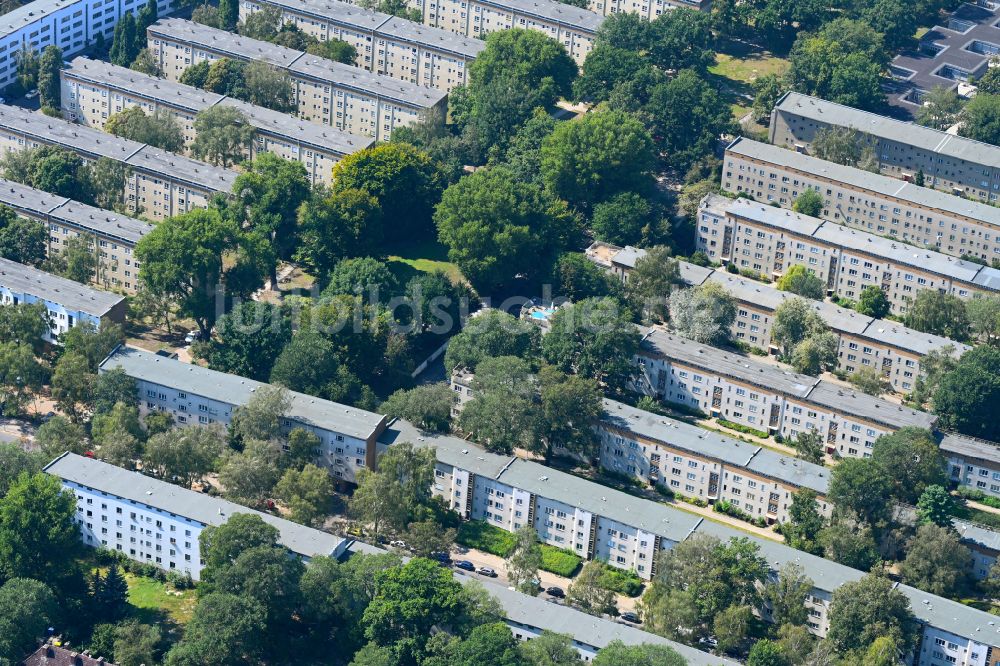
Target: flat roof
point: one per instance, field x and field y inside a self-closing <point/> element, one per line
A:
<point x="451" y="450"/>
<point x="205" y="509"/>
<point x="129" y="81"/>
<point x="952" y="616"/>
<point x="782" y="218"/>
<point x="555" y="12"/>
<point x="236" y="390"/>
<point x="977" y="534"/>
<point x="866" y="180"/>
<point x="890" y="129"/>
<point x="434" y="38"/>
<point x="33" y="12"/>
<point x="851" y="402"/>
<point x="24" y="279"/>
<point x="177" y="167"/>
<point x="352" y="15"/>
<point x="981" y="449"/>
<point x="222" y="40"/>
<point x="323" y="137"/>
<point x="23" y="198"/>
<point x="897" y="335"/>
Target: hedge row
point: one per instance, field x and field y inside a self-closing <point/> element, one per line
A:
<point x="620" y="581"/>
<point x="485" y="537"/>
<point x="559" y="561"/>
<point x="739" y="427"/>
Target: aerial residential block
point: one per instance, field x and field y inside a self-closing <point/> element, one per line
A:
<point x="158" y="523"/>
<point x="948" y="162"/>
<point x="68" y="303"/>
<point x="114" y="235"/>
<point x="162" y="183"/>
<point x="862" y="200"/>
<point x="93" y="91"/>
<point x="649" y="9"/>
<point x="326" y="92"/>
<point x="196" y="395"/>
<point x="385" y="44"/>
<point x="769" y="241"/>
<point x="972" y="463"/>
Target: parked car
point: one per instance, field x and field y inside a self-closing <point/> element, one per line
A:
<point x="31" y="94"/>
<point x="555" y="592"/>
<point x="486" y="571"/>
<point x="465" y="564"/>
<point x="629" y="616"/>
<point x="443" y="558"/>
<point x="191" y="337"/>
<point x="397" y="544"/>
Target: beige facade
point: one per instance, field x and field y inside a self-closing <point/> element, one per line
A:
<point x="400" y="49"/>
<point x="862" y="200"/>
<point x="649" y="9"/>
<point x="948" y="162"/>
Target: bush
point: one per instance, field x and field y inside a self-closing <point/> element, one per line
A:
<point x="688" y="410"/>
<point x="724" y="506"/>
<point x="977" y="495"/>
<point x="559" y="561"/>
<point x="621" y="581"/>
<point x="664" y="490"/>
<point x="621" y="478"/>
<point x="739" y="427"/>
<point x="180" y="581"/>
<point x="485" y="537"/>
<point x="696" y="501"/>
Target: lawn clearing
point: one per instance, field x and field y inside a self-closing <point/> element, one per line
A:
<point x="424" y="256"/>
<point x="747" y="68"/>
<point x="153" y="599"/>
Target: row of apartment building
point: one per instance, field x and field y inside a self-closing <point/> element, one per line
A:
<point x="93" y="91"/>
<point x="344" y="97"/>
<point x="573" y="27"/>
<point x="162" y="184"/>
<point x="865" y="341"/>
<point x="68" y="303"/>
<point x="114" y="235"/>
<point x="769" y="241"/>
<point x="948" y="162"/>
<point x="879" y="204"/>
<point x="72" y="25"/>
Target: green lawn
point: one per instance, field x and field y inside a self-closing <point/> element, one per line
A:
<point x="155" y="601"/>
<point x="736" y="66"/>
<point x="425" y="256"/>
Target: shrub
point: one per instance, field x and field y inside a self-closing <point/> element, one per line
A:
<point x="559" y="561"/>
<point x="739" y="427"/>
<point x="621" y="478"/>
<point x="621" y="581"/>
<point x="180" y="581"/>
<point x="687" y="409"/>
<point x="664" y="490"/>
<point x="724" y="506"/>
<point x="485" y="537"/>
<point x="696" y="501"/>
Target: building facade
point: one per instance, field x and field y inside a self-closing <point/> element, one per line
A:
<point x="114" y="235"/>
<point x="68" y="303"/>
<point x="972" y="463"/>
<point x="198" y="396"/>
<point x="344" y="97"/>
<point x="769" y="241"/>
<point x="162" y="184"/>
<point x="93" y="91"/>
<point x="862" y="200"/>
<point x="948" y="162"/>
<point x="649" y="9"/>
<point x="386" y="45"/>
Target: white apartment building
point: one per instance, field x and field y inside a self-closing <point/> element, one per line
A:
<point x="972" y="463"/>
<point x="93" y="91"/>
<point x="162" y="184"/>
<point x="158" y="523"/>
<point x="951" y="163"/>
<point x="648" y="9"/>
<point x="769" y="241"/>
<point x="196" y="395"/>
<point x="114" y="234"/>
<point x="68" y="303"/>
<point x="386" y="45"/>
<point x="344" y="97"/>
<point x="862" y="200"/>
<point x="72" y="25"/>
<point x="768" y="398"/>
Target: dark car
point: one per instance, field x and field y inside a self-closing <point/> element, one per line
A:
<point x="555" y="592"/>
<point x="465" y="564"/>
<point x="629" y="616"/>
<point x="443" y="558"/>
<point x="486" y="571"/>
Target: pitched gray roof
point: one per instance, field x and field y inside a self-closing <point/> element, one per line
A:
<point x="23" y="279"/>
<point x="196" y="34"/>
<point x="978" y="535"/>
<point x="851" y="402"/>
<point x="235" y="390"/>
<point x="782" y="218"/>
<point x="555" y="12"/>
<point x="451" y="450"/>
<point x="894" y="333"/>
<point x="971" y="446"/>
<point x="199" y="507"/>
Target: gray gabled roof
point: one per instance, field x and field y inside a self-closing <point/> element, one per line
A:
<point x="196" y="34"/>
<point x="73" y="296"/>
<point x="895" y="334"/>
<point x="964" y="445"/>
<point x="851" y="403"/>
<point x="173" y="499"/>
<point x="780" y="218"/>
<point x="235" y="390"/>
<point x="552" y="11"/>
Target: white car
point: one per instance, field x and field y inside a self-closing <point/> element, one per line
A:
<point x="191" y="337"/>
<point x="31" y="94"/>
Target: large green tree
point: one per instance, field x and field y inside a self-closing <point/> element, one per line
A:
<point x="981" y="119"/>
<point x="966" y="397"/>
<point x="38" y="536"/>
<point x="862" y="611"/>
<point x="249" y="339"/>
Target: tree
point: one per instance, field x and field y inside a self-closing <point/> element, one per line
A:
<point x="850" y="544"/>
<point x="938" y="313"/>
<point x="109" y="594"/>
<point x="704" y="313"/>
<point x="135" y="643"/>
<point x="873" y="302"/>
<point x="120" y="448"/>
<point x="22" y="240"/>
<point x="427" y="537"/>
<point x="376" y="502"/>
<point x="121" y="418"/>
<point x="804" y="338"/>
<point x="249" y="339"/>
<point x="767" y="90"/>
<point x="935" y="506"/>
<point x="860" y="486"/>
<point x="38" y="536"/>
<point x="27" y="67"/>
<point x="489" y="643"/>
<point x="334" y="49"/>
<point x="592" y="159"/>
<point x="106" y="180"/>
<point x="577" y="278"/>
<point x="363" y="276"/>
<point x="267" y="575"/>
<point x="911" y="459"/>
<point x="502" y="416"/>
<point x="438" y="303"/>
<point x="112" y="387"/>
<point x="681" y="40"/>
<point x="493" y="333"/>
<point x="980" y="119"/>
<point x="145" y="63"/>
<point x="766" y="652"/>
<point x="268" y="86"/>
<point x="404" y="181"/>
<point x="804" y="521"/>
<point x="616" y="653"/>
<point x="869" y="380"/>
<point x="810" y="203"/>
<point x="628" y="218"/>
<point x="550" y="649"/>
<point x="306" y="364"/>
<point x="49" y="168"/>
<point x="651" y="281"/>
<point x="524" y="561"/>
<point x="94" y="344"/>
<point x="809" y="445"/>
<point x="72" y="382"/>
<point x="606" y="66"/>
<point x="687" y="117"/>
<point x="308" y="493"/>
<point x="786" y="595"/>
<point x="159" y="129"/>
<point x="124" y="47"/>
<point x="222" y="135"/>
<point x="333" y="226"/>
<point x="861" y="611"/>
<point x="15" y="461"/>
<point x="49" y="66"/>
<point x="196" y="75"/>
<point x="221" y="545"/>
<point x="966" y="396"/>
<point x="593" y="338"/>
<point x="936" y="561"/>
<point x="77" y="260"/>
<point x="59" y="435"/>
<point x="25" y="323"/>
<point x="498" y="229"/>
<point x="844" y="145"/>
<point x="225" y="629"/>
<point x="184" y="454"/>
<point x="27" y="608"/>
<point x="587" y="594"/>
<point x="816" y="353"/>
<point x="21" y="375"/>
<point x="569" y="405"/>
<point x="803" y="282"/>
<point x="984" y="318"/>
<point x="229" y="14"/>
<point x="940" y="108"/>
<point x="250" y="475"/>
<point x="428" y="406"/>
